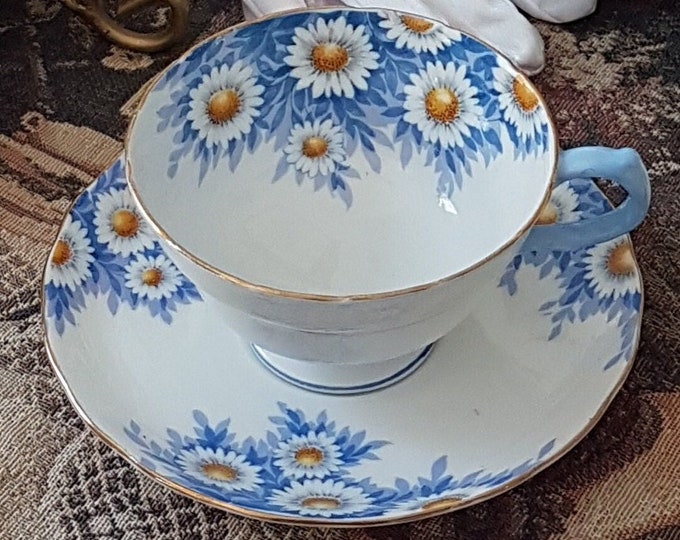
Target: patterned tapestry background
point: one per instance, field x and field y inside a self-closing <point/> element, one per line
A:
<point x="65" y="99"/>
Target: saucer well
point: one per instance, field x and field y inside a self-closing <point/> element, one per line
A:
<point x="151" y="366"/>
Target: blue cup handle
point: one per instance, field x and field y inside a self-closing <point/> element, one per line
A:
<point x="622" y="166"/>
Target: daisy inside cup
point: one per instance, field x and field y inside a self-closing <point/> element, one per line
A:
<point x="225" y="103"/>
<point x="518" y="103"/>
<point x="332" y="57"/>
<point x="316" y="148"/>
<point x="419" y="35"/>
<point x="441" y="102"/>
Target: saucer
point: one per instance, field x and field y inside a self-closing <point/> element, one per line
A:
<point x="151" y="366"/>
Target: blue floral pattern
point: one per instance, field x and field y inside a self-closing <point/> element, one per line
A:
<point x="580" y="293"/>
<point x="109" y="270"/>
<point x="354" y="70"/>
<point x="249" y="473"/>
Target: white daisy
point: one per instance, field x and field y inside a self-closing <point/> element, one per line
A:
<point x="311" y="455"/>
<point x="447" y="499"/>
<point x="518" y="102"/>
<point x="611" y="268"/>
<point x="441" y="102"/>
<point x="228" y="471"/>
<point x="71" y="256"/>
<point x="152" y="277"/>
<point x="317" y="498"/>
<point x="332" y="57"/>
<point x="224" y="103"/>
<point x="417" y="34"/>
<point x="316" y="148"/>
<point x="561" y="207"/>
<point x="119" y="224"/>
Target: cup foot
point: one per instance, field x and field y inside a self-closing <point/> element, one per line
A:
<point x="341" y="379"/>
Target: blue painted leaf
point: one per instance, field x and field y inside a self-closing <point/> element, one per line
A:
<point x="380" y="138"/>
<point x="546" y="269"/>
<point x="352" y="108"/>
<point x="438" y="468"/>
<point x="576" y="280"/>
<point x="450" y="163"/>
<point x="417" y="135"/>
<point x="112" y="303"/>
<point x="555" y="332"/>
<point x="68" y="316"/>
<point x="402" y="127"/>
<point x="547" y="305"/>
<point x="366" y="141"/>
<point x="613" y="361"/>
<point x="636" y="301"/>
<point x="345" y="195"/>
<point x="391" y="77"/>
<point x="547" y="448"/>
<point x="492" y="137"/>
<point x="337" y="182"/>
<point x="294" y="417"/>
<point x="406" y="153"/>
<point x="402" y="485"/>
<point x="477" y="136"/>
<point x="203" y="170"/>
<point x="373" y="159"/>
<point x="200" y="418"/>
<point x="613" y="312"/>
<point x="281" y="169"/>
<point x="393" y="112"/>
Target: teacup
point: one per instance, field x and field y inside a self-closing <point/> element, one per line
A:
<point x="349" y="183"/>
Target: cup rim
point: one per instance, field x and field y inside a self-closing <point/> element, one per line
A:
<point x="270" y="291"/>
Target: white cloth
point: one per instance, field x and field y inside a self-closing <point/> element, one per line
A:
<point x="498" y="22"/>
<point x="557" y="11"/>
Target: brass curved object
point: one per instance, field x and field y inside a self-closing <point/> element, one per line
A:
<point x="94" y="11"/>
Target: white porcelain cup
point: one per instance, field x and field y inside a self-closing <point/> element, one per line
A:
<point x="348" y="184"/>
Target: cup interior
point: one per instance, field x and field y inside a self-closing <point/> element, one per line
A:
<point x="341" y="153"/>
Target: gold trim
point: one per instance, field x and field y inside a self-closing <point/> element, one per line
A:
<point x="417" y="515"/>
<point x="275" y="292"/>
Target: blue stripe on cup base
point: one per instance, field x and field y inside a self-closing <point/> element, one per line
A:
<point x="400" y="373"/>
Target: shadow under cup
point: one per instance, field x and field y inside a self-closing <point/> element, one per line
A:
<point x="346" y="199"/>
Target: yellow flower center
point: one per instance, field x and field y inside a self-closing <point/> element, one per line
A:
<point x="219" y="472"/>
<point x="62" y="253"/>
<point x="415" y="24"/>
<point x="329" y="57"/>
<point x="321" y="503"/>
<point x="309" y="456"/>
<point x="548" y="215"/>
<point x="152" y="277"/>
<point x="124" y="223"/>
<point x="621" y="261"/>
<point x="223" y="106"/>
<point x="525" y="97"/>
<point x="442" y="504"/>
<point x="314" y="147"/>
<point x="442" y="105"/>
